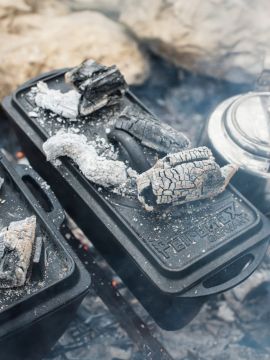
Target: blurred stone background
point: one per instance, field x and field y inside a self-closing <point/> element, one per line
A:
<point x="226" y="39"/>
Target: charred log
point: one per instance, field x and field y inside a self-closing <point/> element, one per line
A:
<point x="182" y="177"/>
<point x="98" y="85"/>
<point x="16" y="244"/>
<point x="151" y="132"/>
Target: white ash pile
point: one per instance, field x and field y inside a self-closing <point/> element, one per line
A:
<point x="63" y="104"/>
<point x="96" y="168"/>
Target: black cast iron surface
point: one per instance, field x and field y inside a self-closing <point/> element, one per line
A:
<point x="175" y="252"/>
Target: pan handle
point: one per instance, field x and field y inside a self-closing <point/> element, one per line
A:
<point x="232" y="274"/>
<point x="42" y="193"/>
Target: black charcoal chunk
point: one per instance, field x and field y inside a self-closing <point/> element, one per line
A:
<point x="151" y="132"/>
<point x="98" y="85"/>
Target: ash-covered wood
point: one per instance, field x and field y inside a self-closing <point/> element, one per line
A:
<point x="98" y="85"/>
<point x="96" y="168"/>
<point x="1" y="182"/>
<point x="16" y="244"/>
<point x="185" y="176"/>
<point x="151" y="132"/>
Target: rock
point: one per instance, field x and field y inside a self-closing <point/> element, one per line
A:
<point x="14" y="72"/>
<point x="10" y="10"/>
<point x="44" y="42"/>
<point x="260" y="276"/>
<point x="225" y="39"/>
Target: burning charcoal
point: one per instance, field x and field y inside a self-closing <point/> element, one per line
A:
<point x="151" y="132"/>
<point x="96" y="168"/>
<point x="99" y="85"/>
<point x="63" y="104"/>
<point x="185" y="176"/>
<point x="16" y="243"/>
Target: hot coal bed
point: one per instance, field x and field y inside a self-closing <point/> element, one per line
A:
<point x="230" y="204"/>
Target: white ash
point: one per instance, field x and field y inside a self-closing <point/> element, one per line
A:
<point x="16" y="244"/>
<point x="128" y="188"/>
<point x="132" y="173"/>
<point x="63" y="104"/>
<point x="45" y="185"/>
<point x="98" y="169"/>
<point x="33" y="114"/>
<point x="104" y="149"/>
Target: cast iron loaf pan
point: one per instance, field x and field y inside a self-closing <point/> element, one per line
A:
<point x="172" y="264"/>
<point x="34" y="316"/>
